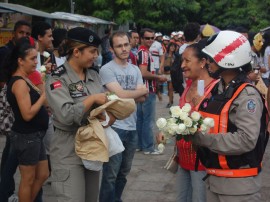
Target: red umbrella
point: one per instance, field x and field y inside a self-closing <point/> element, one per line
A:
<point x="208" y="30"/>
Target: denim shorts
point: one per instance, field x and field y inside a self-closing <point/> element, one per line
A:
<point x="29" y="148"/>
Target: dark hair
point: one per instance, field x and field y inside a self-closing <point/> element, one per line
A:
<point x="59" y="35"/>
<point x="266" y="37"/>
<point x="241" y="29"/>
<point x="21" y="23"/>
<point x="169" y="46"/>
<point x="66" y="48"/>
<point x="20" y="50"/>
<point x="39" y="29"/>
<point x="191" y="31"/>
<point x="132" y="31"/>
<point x="145" y="30"/>
<point x="117" y="34"/>
<point x="251" y="38"/>
<point x="197" y="49"/>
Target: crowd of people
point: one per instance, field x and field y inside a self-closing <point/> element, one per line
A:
<point x="51" y="85"/>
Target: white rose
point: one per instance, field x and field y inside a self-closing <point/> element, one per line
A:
<point x="172" y="128"/>
<point x="186" y="108"/>
<point x="195" y="116"/>
<point x="43" y="68"/>
<point x="193" y="130"/>
<point x="161" y="123"/>
<point x="204" y="128"/>
<point x="46" y="54"/>
<point x="171" y="120"/>
<point x="209" y="122"/>
<point x="161" y="147"/>
<point x="181" y="128"/>
<point x="186" y="132"/>
<point x="183" y="115"/>
<point x="175" y="111"/>
<point x="188" y="122"/>
<point x="112" y="97"/>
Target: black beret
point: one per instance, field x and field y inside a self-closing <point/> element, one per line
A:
<point x="84" y="35"/>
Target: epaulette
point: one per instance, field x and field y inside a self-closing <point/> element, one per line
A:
<point x="59" y="71"/>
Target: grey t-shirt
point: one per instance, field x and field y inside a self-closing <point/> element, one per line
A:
<point x="128" y="77"/>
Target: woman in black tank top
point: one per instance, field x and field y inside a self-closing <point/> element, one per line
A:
<point x="31" y="119"/>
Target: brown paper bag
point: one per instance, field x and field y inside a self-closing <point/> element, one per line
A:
<point x="262" y="87"/>
<point x="120" y="108"/>
<point x="90" y="141"/>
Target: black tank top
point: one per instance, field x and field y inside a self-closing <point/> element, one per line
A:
<point x="38" y="123"/>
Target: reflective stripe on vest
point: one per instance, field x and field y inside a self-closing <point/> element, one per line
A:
<point x="221" y="126"/>
<point x="233" y="173"/>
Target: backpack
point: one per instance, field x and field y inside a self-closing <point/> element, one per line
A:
<point x="6" y="114"/>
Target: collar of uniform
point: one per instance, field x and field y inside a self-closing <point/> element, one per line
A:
<point x="73" y="75"/>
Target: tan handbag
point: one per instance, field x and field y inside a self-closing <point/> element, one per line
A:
<point x="262" y="87"/>
<point x="172" y="163"/>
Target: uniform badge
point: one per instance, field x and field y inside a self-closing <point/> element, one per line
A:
<point x="72" y="87"/>
<point x="91" y="38"/>
<point x="251" y="106"/>
<point x="79" y="86"/>
<point x="55" y="85"/>
<point x="59" y="71"/>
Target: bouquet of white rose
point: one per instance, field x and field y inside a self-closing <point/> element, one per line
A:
<point x="182" y="123"/>
<point x="43" y="68"/>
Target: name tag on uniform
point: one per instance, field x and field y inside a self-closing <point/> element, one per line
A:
<point x="76" y="95"/>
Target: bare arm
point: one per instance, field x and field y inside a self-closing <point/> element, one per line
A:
<point x="161" y="67"/>
<point x="148" y="75"/>
<point x="120" y="92"/>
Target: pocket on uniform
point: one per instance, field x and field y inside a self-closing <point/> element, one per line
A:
<point x="58" y="179"/>
<point x="60" y="175"/>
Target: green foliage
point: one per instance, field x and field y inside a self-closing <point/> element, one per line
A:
<point x="166" y="15"/>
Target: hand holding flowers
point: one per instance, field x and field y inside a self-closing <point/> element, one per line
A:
<point x="47" y="67"/>
<point x="183" y="123"/>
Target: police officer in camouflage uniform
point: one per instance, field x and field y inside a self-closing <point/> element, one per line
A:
<point x="72" y="90"/>
<point x="233" y="149"/>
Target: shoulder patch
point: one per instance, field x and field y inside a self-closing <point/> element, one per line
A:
<point x="251" y="106"/>
<point x="55" y="85"/>
<point x="59" y="71"/>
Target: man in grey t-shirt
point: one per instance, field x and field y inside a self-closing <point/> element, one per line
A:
<point x="125" y="80"/>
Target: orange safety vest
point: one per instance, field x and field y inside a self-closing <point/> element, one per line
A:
<point x="221" y="167"/>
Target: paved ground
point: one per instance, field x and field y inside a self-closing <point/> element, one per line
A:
<point x="149" y="182"/>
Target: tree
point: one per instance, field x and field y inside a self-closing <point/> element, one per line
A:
<point x="166" y="15"/>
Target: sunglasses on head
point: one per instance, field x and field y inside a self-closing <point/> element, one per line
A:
<point x="148" y="38"/>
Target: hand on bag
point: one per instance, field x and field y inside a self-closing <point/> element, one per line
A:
<point x="100" y="98"/>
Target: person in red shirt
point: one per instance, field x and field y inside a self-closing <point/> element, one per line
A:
<point x="146" y="110"/>
<point x="191" y="187"/>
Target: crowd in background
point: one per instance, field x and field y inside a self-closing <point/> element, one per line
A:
<point x="52" y="81"/>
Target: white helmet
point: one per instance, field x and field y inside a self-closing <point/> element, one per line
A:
<point x="173" y="34"/>
<point x="229" y="49"/>
<point x="166" y="38"/>
<point x="180" y="34"/>
<point x="157" y="34"/>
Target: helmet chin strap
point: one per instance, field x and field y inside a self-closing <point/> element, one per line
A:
<point x="217" y="73"/>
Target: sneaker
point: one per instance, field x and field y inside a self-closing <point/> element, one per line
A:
<point x="155" y="152"/>
<point x="138" y="150"/>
